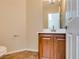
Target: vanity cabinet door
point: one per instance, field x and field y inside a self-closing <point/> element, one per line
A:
<point x="44" y="47"/>
<point x="59" y="47"/>
<point x="52" y="46"/>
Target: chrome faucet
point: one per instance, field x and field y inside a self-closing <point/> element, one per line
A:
<point x="53" y="29"/>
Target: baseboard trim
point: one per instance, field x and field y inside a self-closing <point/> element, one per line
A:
<point x="11" y="52"/>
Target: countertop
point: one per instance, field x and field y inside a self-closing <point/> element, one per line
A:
<point x="60" y="31"/>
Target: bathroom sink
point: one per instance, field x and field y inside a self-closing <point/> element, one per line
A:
<point x="55" y="31"/>
<point x="3" y="50"/>
<point x="61" y="30"/>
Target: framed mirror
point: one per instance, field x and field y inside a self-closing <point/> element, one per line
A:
<point x="53" y="15"/>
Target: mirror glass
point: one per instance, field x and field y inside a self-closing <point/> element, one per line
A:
<point x="54" y="20"/>
<point x="53" y="15"/>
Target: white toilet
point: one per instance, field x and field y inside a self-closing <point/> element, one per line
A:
<point x="3" y="50"/>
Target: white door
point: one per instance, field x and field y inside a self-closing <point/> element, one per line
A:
<point x="74" y="8"/>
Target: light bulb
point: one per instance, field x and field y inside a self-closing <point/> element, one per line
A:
<point x="54" y="1"/>
<point x="50" y="1"/>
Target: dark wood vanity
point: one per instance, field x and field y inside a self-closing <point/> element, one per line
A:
<point x="52" y="46"/>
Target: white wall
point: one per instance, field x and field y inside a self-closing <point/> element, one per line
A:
<point x="34" y="22"/>
<point x="13" y="22"/>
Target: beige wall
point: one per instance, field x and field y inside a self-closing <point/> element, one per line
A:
<point x="34" y="22"/>
<point x="16" y="19"/>
<point x="22" y="18"/>
<point x="13" y="22"/>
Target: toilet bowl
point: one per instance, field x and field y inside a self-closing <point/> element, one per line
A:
<point x="3" y="50"/>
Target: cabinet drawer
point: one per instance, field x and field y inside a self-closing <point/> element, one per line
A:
<point x="60" y="36"/>
<point x="45" y="35"/>
<point x="46" y="38"/>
